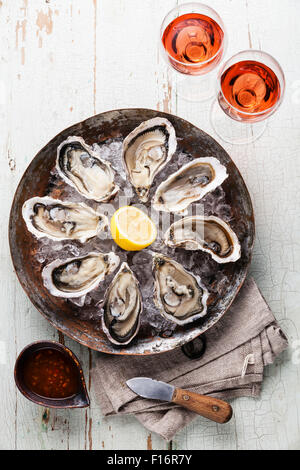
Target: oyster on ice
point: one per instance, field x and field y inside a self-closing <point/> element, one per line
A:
<point x="75" y="277"/>
<point x="122" y="308"/>
<point x="146" y="150"/>
<point x="190" y="183"/>
<point x="61" y="220"/>
<point x="83" y="169"/>
<point x="177" y="293"/>
<point x="210" y="234"/>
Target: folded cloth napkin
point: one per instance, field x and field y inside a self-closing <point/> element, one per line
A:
<point x="246" y="339"/>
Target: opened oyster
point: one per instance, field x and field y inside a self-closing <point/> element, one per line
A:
<point x="60" y="220"/>
<point x="123" y="306"/>
<point x="190" y="183"/>
<point x="83" y="169"/>
<point x="146" y="150"/>
<point x="177" y="293"/>
<point x="75" y="277"/>
<point x="210" y="234"/>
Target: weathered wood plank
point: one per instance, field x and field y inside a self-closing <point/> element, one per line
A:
<point x="48" y="87"/>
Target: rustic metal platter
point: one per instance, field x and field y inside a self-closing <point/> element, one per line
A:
<point x="82" y="322"/>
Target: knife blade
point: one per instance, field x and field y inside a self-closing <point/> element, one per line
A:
<point x="209" y="407"/>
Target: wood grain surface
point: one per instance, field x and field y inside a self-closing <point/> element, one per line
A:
<point x="62" y="61"/>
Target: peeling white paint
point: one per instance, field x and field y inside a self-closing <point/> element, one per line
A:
<point x="2" y="93"/>
<point x="129" y="73"/>
<point x="3" y="354"/>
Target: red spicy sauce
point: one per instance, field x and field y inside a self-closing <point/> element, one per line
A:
<point x="51" y="374"/>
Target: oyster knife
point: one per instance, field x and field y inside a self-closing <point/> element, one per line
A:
<point x="209" y="407"/>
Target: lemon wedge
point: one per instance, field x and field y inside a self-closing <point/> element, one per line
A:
<point x="132" y="229"/>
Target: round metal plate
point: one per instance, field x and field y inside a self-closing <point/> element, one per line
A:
<point x="36" y="182"/>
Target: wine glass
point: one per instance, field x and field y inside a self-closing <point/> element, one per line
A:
<point x="250" y="88"/>
<point x="193" y="40"/>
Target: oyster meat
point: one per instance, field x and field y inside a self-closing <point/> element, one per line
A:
<point x="190" y="183"/>
<point x="61" y="220"/>
<point x="83" y="169"/>
<point x="210" y="234"/>
<point x="75" y="277"/>
<point x="146" y="150"/>
<point x="122" y="308"/>
<point x="177" y="293"/>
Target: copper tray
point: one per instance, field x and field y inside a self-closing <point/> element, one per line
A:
<point x="36" y="181"/>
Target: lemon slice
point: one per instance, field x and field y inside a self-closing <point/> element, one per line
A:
<point x="132" y="229"/>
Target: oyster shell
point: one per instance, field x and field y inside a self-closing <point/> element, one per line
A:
<point x="83" y="169"/>
<point x="146" y="150"/>
<point x="190" y="183"/>
<point x="123" y="306"/>
<point x="62" y="220"/>
<point x="177" y="293"/>
<point x="75" y="277"/>
<point x="210" y="234"/>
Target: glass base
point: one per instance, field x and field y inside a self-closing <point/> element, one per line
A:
<point x="234" y="132"/>
<point x="196" y="88"/>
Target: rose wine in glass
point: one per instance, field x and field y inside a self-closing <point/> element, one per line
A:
<point x="250" y="89"/>
<point x="193" y="43"/>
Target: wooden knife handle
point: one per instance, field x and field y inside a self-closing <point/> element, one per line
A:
<point x="209" y="407"/>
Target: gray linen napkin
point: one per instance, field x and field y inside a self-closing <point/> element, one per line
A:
<point x="245" y="340"/>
